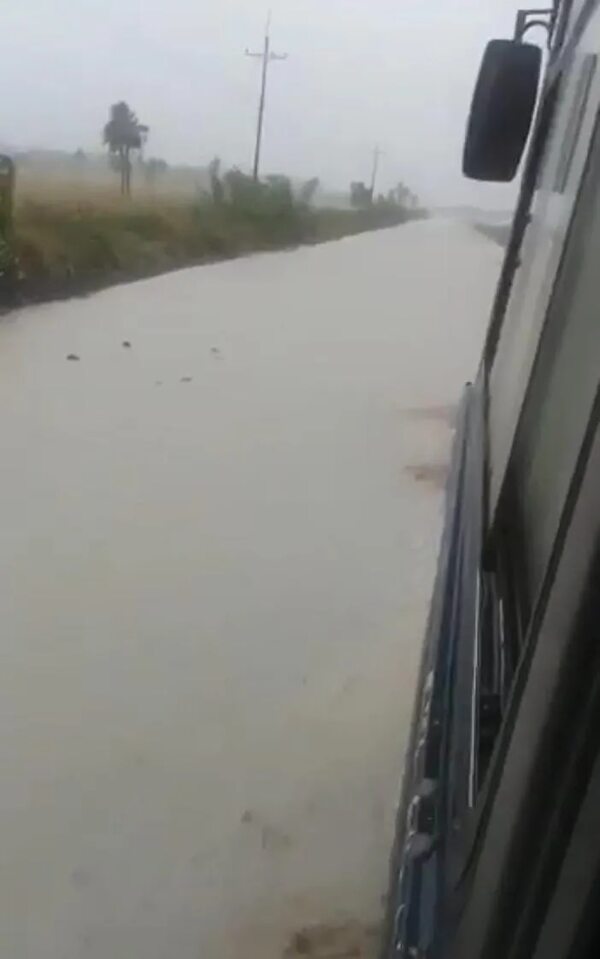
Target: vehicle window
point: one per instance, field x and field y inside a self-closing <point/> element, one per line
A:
<point x="564" y="383"/>
<point x="575" y="121"/>
<point x="542" y="251"/>
<point x="544" y="463"/>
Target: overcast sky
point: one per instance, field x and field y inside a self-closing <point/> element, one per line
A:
<point x="394" y="72"/>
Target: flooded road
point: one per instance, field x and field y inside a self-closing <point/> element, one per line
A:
<point x="217" y="552"/>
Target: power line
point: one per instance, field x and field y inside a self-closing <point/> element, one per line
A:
<point x="267" y="57"/>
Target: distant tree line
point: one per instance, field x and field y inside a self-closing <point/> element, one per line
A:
<point x="361" y="197"/>
<point x="125" y="136"/>
<point x="236" y="187"/>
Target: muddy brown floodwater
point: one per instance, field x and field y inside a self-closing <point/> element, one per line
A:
<point x="217" y="550"/>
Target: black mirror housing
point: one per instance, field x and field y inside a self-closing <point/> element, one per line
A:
<point x="501" y="110"/>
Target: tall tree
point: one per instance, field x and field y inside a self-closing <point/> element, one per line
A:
<point x="402" y="194"/>
<point x="361" y="196"/>
<point x="122" y="134"/>
<point x="216" y="184"/>
<point x="308" y="190"/>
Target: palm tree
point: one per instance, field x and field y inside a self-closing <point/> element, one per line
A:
<point x="122" y="134"/>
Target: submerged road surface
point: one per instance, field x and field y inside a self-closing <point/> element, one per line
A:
<point x="217" y="551"/>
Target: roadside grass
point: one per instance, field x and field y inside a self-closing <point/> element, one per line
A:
<point x="72" y="243"/>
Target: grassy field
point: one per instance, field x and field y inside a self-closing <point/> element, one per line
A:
<point x="70" y="240"/>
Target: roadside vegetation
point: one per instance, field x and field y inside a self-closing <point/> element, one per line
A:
<point x="70" y="237"/>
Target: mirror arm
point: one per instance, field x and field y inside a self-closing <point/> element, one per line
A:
<point x="529" y="18"/>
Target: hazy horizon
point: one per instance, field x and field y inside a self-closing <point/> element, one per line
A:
<point x="359" y="73"/>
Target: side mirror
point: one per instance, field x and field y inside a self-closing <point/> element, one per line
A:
<point x="501" y="110"/>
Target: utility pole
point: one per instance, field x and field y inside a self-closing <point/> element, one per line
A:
<point x="267" y="57"/>
<point x="376" y="157"/>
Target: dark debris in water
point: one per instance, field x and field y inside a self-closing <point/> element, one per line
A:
<point x="73" y="356"/>
<point x="433" y="473"/>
